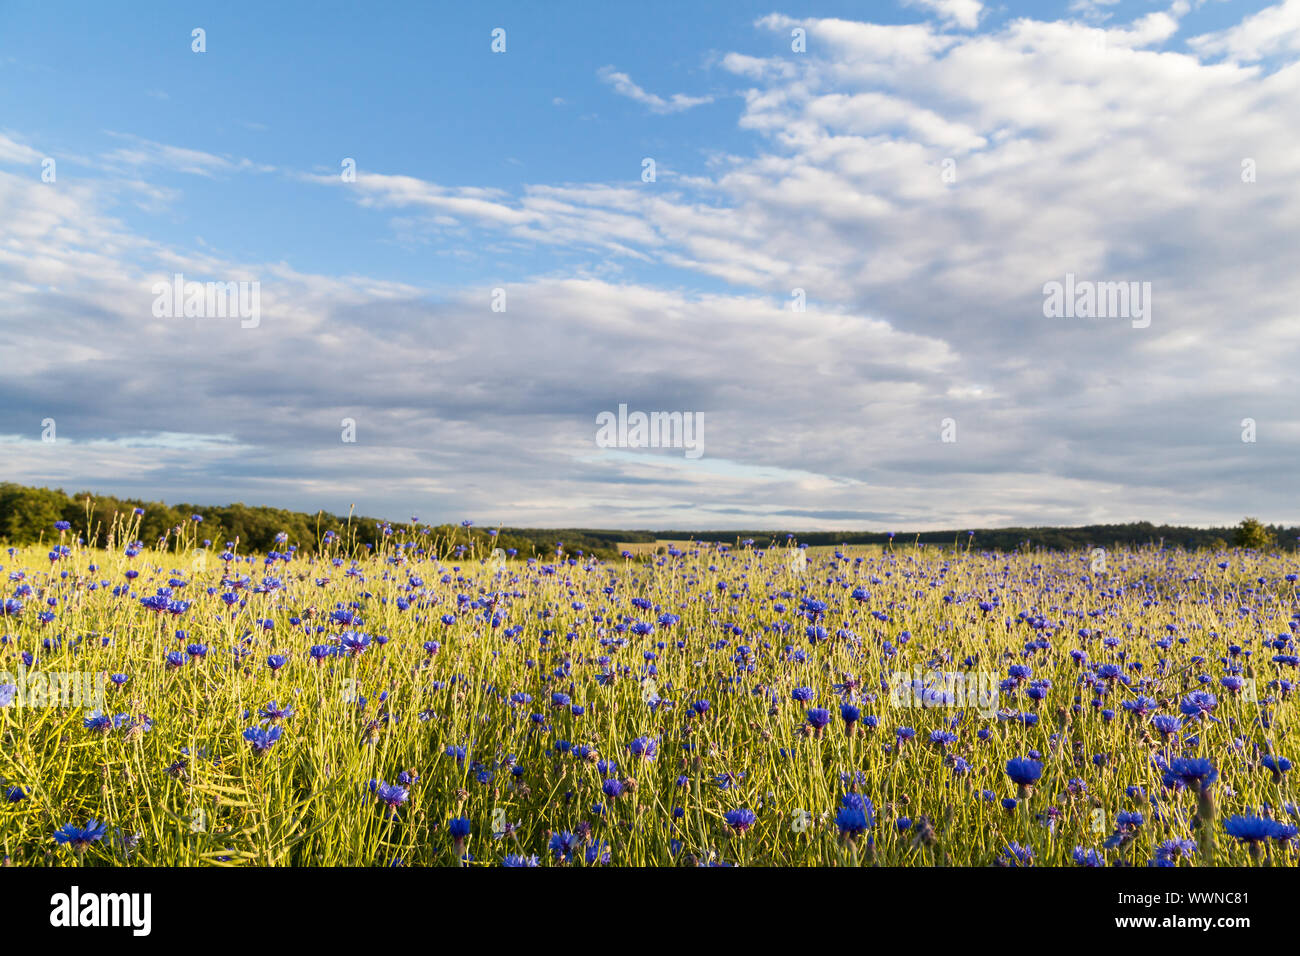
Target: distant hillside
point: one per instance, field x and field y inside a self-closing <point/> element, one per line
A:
<point x="28" y="515"/>
<point x="1136" y="534"/>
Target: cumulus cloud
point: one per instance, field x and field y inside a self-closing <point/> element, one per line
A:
<point x="1272" y="31"/>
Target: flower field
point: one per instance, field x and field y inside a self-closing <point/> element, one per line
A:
<point x="429" y="703"/>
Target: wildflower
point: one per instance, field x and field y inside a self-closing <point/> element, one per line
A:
<point x="1024" y="773"/>
<point x="597" y="852"/>
<point x="740" y="820"/>
<point x="79" y="838"/>
<point x="818" y="718"/>
<point x="261" y="739"/>
<point x="1249" y="829"/>
<point x="352" y="642"/>
<point x="1199" y="704"/>
<point x="1014" y="855"/>
<point x="391" y="795"/>
<point x="562" y="846"/>
<point x="1191" y="772"/>
<point x="1166" y="725"/>
<point x="1087" y="858"/>
<point x="1175" y="849"/>
<point x="647" y="748"/>
<point x="274" y="711"/>
<point x="1276" y="765"/>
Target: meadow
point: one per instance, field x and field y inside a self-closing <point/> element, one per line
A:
<point x="425" y="702"/>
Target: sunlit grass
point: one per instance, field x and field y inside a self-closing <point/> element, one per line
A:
<point x="189" y="790"/>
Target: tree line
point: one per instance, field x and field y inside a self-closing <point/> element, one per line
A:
<point x="29" y="514"/>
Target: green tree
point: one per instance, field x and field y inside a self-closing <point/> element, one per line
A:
<point x="27" y="513"/>
<point x="1251" y="533"/>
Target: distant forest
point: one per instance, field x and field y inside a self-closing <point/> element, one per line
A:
<point x="28" y="515"/>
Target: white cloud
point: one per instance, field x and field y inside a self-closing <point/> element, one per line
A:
<point x="624" y="86"/>
<point x="1093" y="10"/>
<point x="962" y="13"/>
<point x="1272" y="31"/>
<point x="12" y="151"/>
<point x="143" y="153"/>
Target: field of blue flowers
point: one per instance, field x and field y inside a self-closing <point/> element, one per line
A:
<point x="429" y="703"/>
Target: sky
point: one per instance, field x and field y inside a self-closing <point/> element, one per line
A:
<point x="840" y="269"/>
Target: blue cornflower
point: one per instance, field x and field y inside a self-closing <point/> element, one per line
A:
<point x="740" y="819"/>
<point x="597" y="852"/>
<point x="80" y="837"/>
<point x="1277" y="765"/>
<point x="563" y="845"/>
<point x="262" y="739"/>
<point x="1166" y="724"/>
<point x="1173" y="849"/>
<point x="1199" y="703"/>
<point x="1128" y="820"/>
<point x="818" y="718"/>
<point x="390" y="794"/>
<point x="646" y="748"/>
<point x="1192" y="772"/>
<point x="851" y="821"/>
<point x="353" y="642"/>
<point x="459" y="828"/>
<point x="1015" y="855"/>
<point x="1088" y="858"/>
<point x="1249" y="829"/>
<point x="1023" y="771"/>
<point x="858" y="801"/>
<point x="274" y="711"/>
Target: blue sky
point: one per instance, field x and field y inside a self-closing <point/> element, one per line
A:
<point x="776" y="170"/>
<point x="402" y="88"/>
